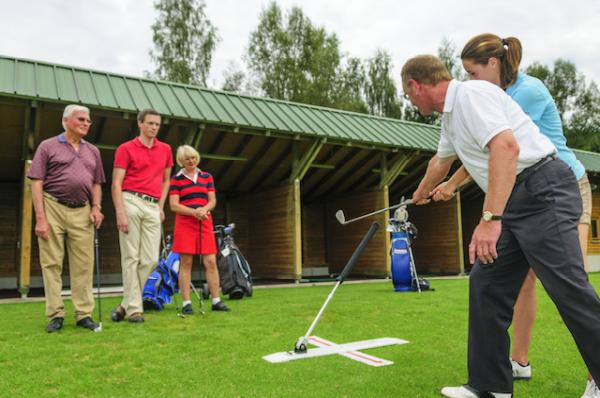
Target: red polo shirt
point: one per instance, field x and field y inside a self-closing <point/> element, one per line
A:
<point x="144" y="167"/>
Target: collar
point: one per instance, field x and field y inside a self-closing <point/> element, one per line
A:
<point x="63" y="139"/>
<point x="138" y="142"/>
<point x="181" y="173"/>
<point x="451" y="95"/>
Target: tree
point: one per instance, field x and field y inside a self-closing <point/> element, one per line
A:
<point x="451" y="58"/>
<point x="184" y="41"/>
<point x="295" y="60"/>
<point x="234" y="79"/>
<point x="578" y="104"/>
<point x="350" y="86"/>
<point x="380" y="88"/>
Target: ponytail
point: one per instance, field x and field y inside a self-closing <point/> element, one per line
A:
<point x="509" y="52"/>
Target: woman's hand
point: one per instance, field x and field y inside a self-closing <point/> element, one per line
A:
<point x="445" y="191"/>
<point x="201" y="213"/>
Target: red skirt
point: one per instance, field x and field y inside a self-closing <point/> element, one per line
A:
<point x="187" y="239"/>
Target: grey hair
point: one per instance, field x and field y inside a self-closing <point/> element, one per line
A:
<point x="71" y="109"/>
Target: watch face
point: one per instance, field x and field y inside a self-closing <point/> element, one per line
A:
<point x="487" y="216"/>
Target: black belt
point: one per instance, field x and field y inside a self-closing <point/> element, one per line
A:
<point x="71" y="205"/>
<point x="523" y="175"/>
<point x="143" y="196"/>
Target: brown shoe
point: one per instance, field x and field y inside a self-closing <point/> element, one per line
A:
<point x="136" y="317"/>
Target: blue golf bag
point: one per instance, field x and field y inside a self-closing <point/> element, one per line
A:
<point x="162" y="283"/>
<point x="401" y="262"/>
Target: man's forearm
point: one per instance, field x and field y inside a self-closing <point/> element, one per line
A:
<point x="501" y="179"/>
<point x="38" y="199"/>
<point x="96" y="195"/>
<point x="436" y="171"/>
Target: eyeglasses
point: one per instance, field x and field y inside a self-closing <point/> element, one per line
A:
<point x="83" y="120"/>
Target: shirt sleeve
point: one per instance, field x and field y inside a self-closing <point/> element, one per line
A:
<point x="445" y="148"/>
<point x="210" y="184"/>
<point x="174" y="188"/>
<point x="483" y="113"/>
<point x="122" y="157"/>
<point x="99" y="177"/>
<point x="169" y="159"/>
<point x="39" y="164"/>
<point x="532" y="100"/>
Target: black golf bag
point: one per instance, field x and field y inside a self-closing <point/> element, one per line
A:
<point x="234" y="271"/>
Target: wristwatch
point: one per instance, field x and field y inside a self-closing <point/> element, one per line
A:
<point x="98" y="206"/>
<point x="488" y="216"/>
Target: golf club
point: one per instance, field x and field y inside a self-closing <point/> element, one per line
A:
<point x="301" y="344"/>
<point x="97" y="253"/>
<point x="339" y="215"/>
<point x="199" y="298"/>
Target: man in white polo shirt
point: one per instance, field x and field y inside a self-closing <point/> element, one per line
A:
<point x="529" y="216"/>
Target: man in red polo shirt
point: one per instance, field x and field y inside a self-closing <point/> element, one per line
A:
<point x="140" y="183"/>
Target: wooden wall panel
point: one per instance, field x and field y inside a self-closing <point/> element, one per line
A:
<point x="594" y="244"/>
<point x="437" y="247"/>
<point x="266" y="233"/>
<point x="343" y="239"/>
<point x="9" y="210"/>
<point x="313" y="235"/>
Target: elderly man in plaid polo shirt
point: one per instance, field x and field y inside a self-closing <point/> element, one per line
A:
<point x="66" y="174"/>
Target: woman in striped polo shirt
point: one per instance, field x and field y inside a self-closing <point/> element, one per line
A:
<point x="192" y="197"/>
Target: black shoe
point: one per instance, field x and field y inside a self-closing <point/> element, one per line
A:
<point x="136" y="318"/>
<point x="55" y="324"/>
<point x="220" y="307"/>
<point x="187" y="309"/>
<point x="118" y="314"/>
<point x="88" y="323"/>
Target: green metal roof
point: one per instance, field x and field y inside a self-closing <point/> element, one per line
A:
<point x="590" y="160"/>
<point x="66" y="84"/>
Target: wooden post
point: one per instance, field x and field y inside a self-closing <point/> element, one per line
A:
<point x="388" y="238"/>
<point x="297" y="230"/>
<point x="25" y="239"/>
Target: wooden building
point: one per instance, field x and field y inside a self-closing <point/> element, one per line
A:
<point x="281" y="169"/>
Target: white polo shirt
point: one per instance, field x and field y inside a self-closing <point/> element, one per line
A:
<point x="474" y="112"/>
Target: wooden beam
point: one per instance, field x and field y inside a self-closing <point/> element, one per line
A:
<point x="336" y="156"/>
<point x="347" y="168"/>
<point x="322" y="166"/>
<point x="388" y="177"/>
<point x="388" y="238"/>
<point x="98" y="130"/>
<point x="258" y="155"/>
<point x="237" y="152"/>
<point x="222" y="157"/>
<point x="25" y="234"/>
<point x="297" y="222"/>
<point x="301" y="167"/>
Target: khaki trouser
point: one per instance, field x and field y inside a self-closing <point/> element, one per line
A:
<point x="139" y="249"/>
<point x="74" y="227"/>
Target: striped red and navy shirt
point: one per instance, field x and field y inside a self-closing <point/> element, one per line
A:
<point x="192" y="192"/>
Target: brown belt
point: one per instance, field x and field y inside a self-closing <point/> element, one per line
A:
<point x="143" y="196"/>
<point x="71" y="205"/>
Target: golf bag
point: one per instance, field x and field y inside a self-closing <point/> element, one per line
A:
<point x="404" y="272"/>
<point x="235" y="275"/>
<point x="162" y="283"/>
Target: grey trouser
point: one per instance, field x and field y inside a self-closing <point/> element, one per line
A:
<point x="539" y="228"/>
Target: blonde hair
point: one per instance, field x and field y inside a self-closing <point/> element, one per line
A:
<point x="186" y="151"/>
<point x="427" y="69"/>
<point x="70" y="110"/>
<point x="509" y="52"/>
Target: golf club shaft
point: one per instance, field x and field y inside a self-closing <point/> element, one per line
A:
<point x="97" y="253"/>
<point x="403" y="203"/>
<point x="361" y="247"/>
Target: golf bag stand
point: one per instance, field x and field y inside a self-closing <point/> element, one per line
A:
<point x="404" y="272"/>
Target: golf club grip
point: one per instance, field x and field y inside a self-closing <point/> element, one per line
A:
<point x="361" y="247"/>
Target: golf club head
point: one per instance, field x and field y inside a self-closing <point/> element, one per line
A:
<point x="339" y="215"/>
<point x="301" y="346"/>
<point x="99" y="328"/>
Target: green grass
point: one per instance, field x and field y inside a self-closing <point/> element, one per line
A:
<point x="220" y="355"/>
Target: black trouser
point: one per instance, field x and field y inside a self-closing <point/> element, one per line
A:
<point x="539" y="229"/>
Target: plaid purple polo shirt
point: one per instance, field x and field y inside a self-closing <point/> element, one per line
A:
<point x="68" y="175"/>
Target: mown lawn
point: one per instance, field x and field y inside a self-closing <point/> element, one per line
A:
<point x="220" y="354"/>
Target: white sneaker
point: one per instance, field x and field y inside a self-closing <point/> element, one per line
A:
<point x="458" y="392"/>
<point x="519" y="371"/>
<point x="591" y="390"/>
<point x="464" y="392"/>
